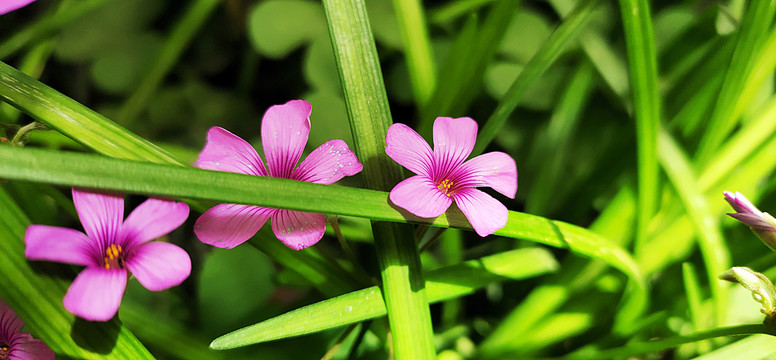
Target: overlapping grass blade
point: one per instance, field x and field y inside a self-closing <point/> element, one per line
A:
<point x="370" y="116"/>
<point x="441" y="284"/>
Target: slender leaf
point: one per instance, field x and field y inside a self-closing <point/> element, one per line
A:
<point x="750" y="37"/>
<point x="716" y="255"/>
<point x="642" y="63"/>
<point x="176" y="42"/>
<point x="92" y="171"/>
<point x="417" y="45"/>
<point x="442" y="284"/>
<point x="572" y="26"/>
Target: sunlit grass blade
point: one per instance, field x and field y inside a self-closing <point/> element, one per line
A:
<point x="171" y="51"/>
<point x="75" y="120"/>
<point x="91" y="171"/>
<point x="572" y="26"/>
<point x="752" y="32"/>
<point x="692" y="289"/>
<point x="37" y="296"/>
<point x="577" y="274"/>
<point x="657" y="345"/>
<point x="370" y="116"/>
<point x="642" y="66"/>
<point x="715" y="253"/>
<point x="417" y="46"/>
<point x="441" y="284"/>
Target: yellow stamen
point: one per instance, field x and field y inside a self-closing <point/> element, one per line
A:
<point x="113" y="257"/>
<point x="445" y="186"/>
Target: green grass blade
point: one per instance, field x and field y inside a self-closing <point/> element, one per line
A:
<point x="572" y="26"/>
<point x="642" y="63"/>
<point x="91" y="171"/>
<point x="37" y="297"/>
<point x="168" y="56"/>
<point x="465" y="65"/>
<point x="753" y="29"/>
<point x="417" y="46"/>
<point x="442" y="284"/>
<point x="657" y="345"/>
<point x="715" y="253"/>
<point x="370" y="117"/>
<point x="75" y="120"/>
<point x="552" y="148"/>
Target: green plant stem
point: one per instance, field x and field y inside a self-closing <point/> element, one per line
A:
<point x="369" y="115"/>
<point x="417" y="45"/>
<point x="642" y="62"/>
<point x="169" y="54"/>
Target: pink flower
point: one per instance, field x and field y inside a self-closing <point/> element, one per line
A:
<point x="284" y="131"/>
<point x="110" y="248"/>
<point x="11" y="5"/>
<point x="18" y="345"/>
<point x="443" y="176"/>
<point x="761" y="223"/>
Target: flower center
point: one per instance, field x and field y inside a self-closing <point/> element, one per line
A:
<point x="446" y="186"/>
<point x="114" y="258"/>
<point x="4" y="350"/>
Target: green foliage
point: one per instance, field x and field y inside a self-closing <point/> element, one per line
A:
<point x="626" y="119"/>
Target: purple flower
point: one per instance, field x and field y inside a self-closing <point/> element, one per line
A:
<point x="11" y="5"/>
<point x="761" y="223"/>
<point x="112" y="247"/>
<point x="284" y="131"/>
<point x="18" y="345"/>
<point x="443" y="176"/>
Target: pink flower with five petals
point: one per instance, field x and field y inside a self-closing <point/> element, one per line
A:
<point x="18" y="345"/>
<point x="284" y="132"/>
<point x="443" y="175"/>
<point x="111" y="248"/>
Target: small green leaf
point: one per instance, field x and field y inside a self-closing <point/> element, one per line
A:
<point x="275" y="34"/>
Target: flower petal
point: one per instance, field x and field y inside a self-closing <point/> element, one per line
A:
<point x="485" y="213"/>
<point x="420" y="196"/>
<point x="494" y="169"/>
<point x="453" y="142"/>
<point x="409" y="149"/>
<point x="101" y="214"/>
<point x="152" y="219"/>
<point x="225" y="151"/>
<point x="96" y="293"/>
<point x="740" y="203"/>
<point x="298" y="229"/>
<point x="284" y="131"/>
<point x="60" y="244"/>
<point x="229" y="225"/>
<point x="9" y="321"/>
<point x="30" y="349"/>
<point x="11" y="5"/>
<point x="328" y="163"/>
<point x="159" y="265"/>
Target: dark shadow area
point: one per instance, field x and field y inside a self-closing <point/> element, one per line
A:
<point x="99" y="337"/>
